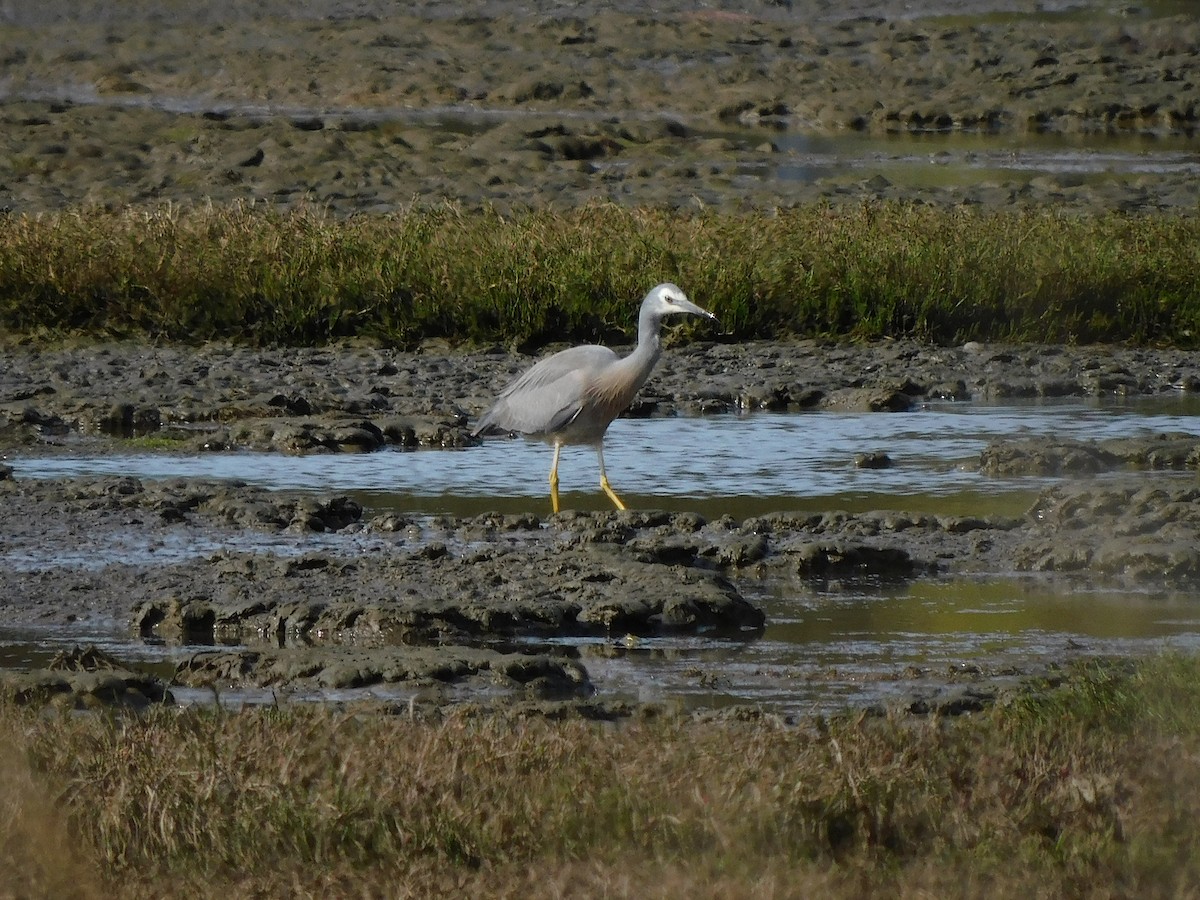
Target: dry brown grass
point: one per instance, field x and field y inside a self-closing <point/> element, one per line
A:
<point x="39" y="855"/>
<point x="1092" y="789"/>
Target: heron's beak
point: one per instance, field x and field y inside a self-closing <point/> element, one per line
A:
<point x="699" y="311"/>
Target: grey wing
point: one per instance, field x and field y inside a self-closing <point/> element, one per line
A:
<point x="549" y="395"/>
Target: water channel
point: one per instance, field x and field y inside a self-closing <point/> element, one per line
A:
<point x="825" y="644"/>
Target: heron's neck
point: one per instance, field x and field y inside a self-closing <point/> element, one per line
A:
<point x="638" y="364"/>
<point x="649" y="345"/>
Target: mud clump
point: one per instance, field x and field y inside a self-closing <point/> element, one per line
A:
<point x="85" y="678"/>
<point x="177" y="501"/>
<point x="1130" y="531"/>
<point x="222" y="398"/>
<point x="531" y="676"/>
<point x="1050" y="457"/>
<point x="1039" y="458"/>
<point x="418" y="597"/>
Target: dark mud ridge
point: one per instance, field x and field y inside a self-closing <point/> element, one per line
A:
<point x="220" y="397"/>
<point x="483" y="608"/>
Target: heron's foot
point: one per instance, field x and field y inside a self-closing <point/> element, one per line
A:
<point x="612" y="495"/>
<point x="554" y="492"/>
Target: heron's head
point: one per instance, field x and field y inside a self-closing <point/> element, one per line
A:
<point x="668" y="299"/>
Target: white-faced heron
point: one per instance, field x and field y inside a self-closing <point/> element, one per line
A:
<point x="572" y="396"/>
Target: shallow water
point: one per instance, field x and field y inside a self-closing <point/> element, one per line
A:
<point x="826" y="644"/>
<point x="957" y="159"/>
<point x="725" y="464"/>
<point x="854" y="644"/>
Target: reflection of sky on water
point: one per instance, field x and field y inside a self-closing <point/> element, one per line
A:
<point x="964" y="159"/>
<point x="756" y="463"/>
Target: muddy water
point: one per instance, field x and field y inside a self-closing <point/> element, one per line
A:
<point x="825" y="647"/>
<point x="827" y="643"/>
<point x="830" y="646"/>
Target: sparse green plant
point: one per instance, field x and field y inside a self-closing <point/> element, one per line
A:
<point x="879" y="270"/>
<point x="158" y="441"/>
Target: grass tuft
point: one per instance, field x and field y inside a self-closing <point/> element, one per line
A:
<point x="1084" y="783"/>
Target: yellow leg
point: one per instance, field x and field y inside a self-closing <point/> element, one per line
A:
<point x="612" y="495"/>
<point x="607" y="488"/>
<point x="554" y="479"/>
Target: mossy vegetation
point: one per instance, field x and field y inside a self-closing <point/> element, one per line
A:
<point x="248" y="274"/>
<point x="164" y="441"/>
<point x="1082" y="782"/>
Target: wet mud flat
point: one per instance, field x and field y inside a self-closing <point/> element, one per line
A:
<point x="365" y="108"/>
<point x="362" y="109"/>
<point x="313" y="596"/>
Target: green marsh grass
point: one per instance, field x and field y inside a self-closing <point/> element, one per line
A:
<point x="887" y="270"/>
<point x="1088" y="787"/>
<point x="151" y="442"/>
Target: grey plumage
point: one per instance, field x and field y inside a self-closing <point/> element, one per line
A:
<point x="572" y="396"/>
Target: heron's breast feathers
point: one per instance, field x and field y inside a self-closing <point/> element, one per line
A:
<point x="609" y="394"/>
